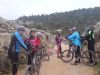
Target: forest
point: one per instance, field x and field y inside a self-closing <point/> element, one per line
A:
<point x="81" y="18"/>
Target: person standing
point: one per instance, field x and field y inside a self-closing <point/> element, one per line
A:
<point x="14" y="48"/>
<point x="70" y="42"/>
<point x="91" y="42"/>
<point x="30" y="42"/>
<point x="58" y="40"/>
<point x="75" y="38"/>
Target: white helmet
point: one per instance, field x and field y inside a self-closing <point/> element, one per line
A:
<point x="59" y="30"/>
<point x="74" y="28"/>
<point x="21" y="28"/>
<point x="39" y="33"/>
<point x="70" y="29"/>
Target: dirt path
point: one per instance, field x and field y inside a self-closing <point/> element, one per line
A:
<point x="56" y="67"/>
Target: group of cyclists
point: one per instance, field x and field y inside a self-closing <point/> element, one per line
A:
<point x="76" y="39"/>
<point x="35" y="39"/>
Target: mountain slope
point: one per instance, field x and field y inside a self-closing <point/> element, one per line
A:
<point x="80" y="18"/>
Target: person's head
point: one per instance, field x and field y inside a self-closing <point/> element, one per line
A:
<point x="74" y="29"/>
<point x="32" y="33"/>
<point x="39" y="35"/>
<point x="21" y="30"/>
<point x="70" y="31"/>
<point x="59" y="31"/>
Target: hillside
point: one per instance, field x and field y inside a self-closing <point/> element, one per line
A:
<point x="80" y="18"/>
<point x="6" y="26"/>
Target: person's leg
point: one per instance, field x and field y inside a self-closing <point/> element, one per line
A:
<point x="29" y="60"/>
<point x="15" y="64"/>
<point x="15" y="68"/>
<point x="57" y="50"/>
<point x="60" y="49"/>
<point x="76" y="56"/>
<point x="79" y="54"/>
<point x="91" y="48"/>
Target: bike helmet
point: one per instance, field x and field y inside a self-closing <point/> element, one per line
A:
<point x="74" y="28"/>
<point x="39" y="33"/>
<point x="21" y="28"/>
<point x="59" y="30"/>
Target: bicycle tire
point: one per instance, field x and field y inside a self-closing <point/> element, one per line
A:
<point x="97" y="56"/>
<point x="29" y="70"/>
<point x="23" y="58"/>
<point x="36" y="64"/>
<point x="46" y="57"/>
<point x="65" y="57"/>
<point x="6" y="64"/>
<point x="86" y="57"/>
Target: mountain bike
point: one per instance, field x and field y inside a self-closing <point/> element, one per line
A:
<point x="43" y="53"/>
<point x="68" y="55"/>
<point x="6" y="63"/>
<point x="34" y="67"/>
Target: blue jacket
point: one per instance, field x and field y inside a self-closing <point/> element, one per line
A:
<point x="75" y="38"/>
<point x="16" y="42"/>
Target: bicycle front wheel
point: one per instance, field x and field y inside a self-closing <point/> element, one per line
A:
<point x="6" y="64"/>
<point x="88" y="58"/>
<point x="23" y="58"/>
<point x="67" y="56"/>
<point x="29" y="70"/>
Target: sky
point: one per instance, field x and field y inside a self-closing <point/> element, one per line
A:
<point x="12" y="9"/>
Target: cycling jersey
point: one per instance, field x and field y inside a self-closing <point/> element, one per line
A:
<point x="90" y="35"/>
<point x="16" y="42"/>
<point x="75" y="38"/>
<point x="30" y="42"/>
<point x="38" y="41"/>
<point x="58" y="38"/>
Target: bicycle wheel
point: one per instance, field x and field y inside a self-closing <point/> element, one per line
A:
<point x="67" y="56"/>
<point x="23" y="57"/>
<point x="98" y="56"/>
<point x="36" y="64"/>
<point x="46" y="57"/>
<point x="6" y="64"/>
<point x="29" y="70"/>
<point x="86" y="58"/>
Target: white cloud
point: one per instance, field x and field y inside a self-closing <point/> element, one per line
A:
<point x="12" y="9"/>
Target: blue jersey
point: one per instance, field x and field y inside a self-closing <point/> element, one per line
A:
<point x="16" y="42"/>
<point x="75" y="38"/>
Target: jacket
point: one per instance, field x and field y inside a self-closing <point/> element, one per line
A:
<point x="75" y="38"/>
<point x="16" y="43"/>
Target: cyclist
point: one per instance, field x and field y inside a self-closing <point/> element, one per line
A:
<point x="75" y="38"/>
<point x="38" y="39"/>
<point x="58" y="40"/>
<point x="70" y="42"/>
<point x="30" y="42"/>
<point x="14" y="48"/>
<point x="91" y="42"/>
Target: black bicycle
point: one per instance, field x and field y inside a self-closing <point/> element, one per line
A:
<point x="68" y="55"/>
<point x="36" y="63"/>
<point x="43" y="53"/>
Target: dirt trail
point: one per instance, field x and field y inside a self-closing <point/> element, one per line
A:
<point x="56" y="67"/>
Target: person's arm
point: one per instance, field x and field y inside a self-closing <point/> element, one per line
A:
<point x="71" y="36"/>
<point x="19" y="38"/>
